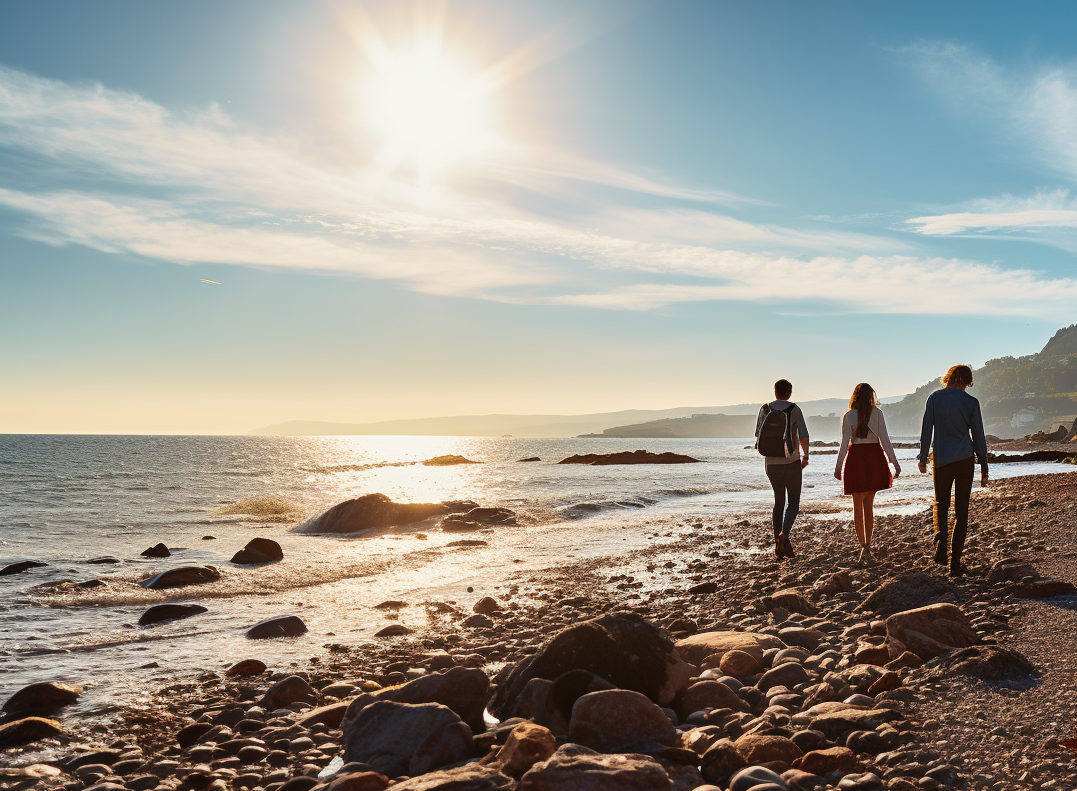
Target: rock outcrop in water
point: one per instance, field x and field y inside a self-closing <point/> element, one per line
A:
<point x="169" y="612"/>
<point x="629" y="457"/>
<point x="279" y="626"/>
<point x="40" y="698"/>
<point x="476" y="519"/>
<point x="21" y="566"/>
<point x="182" y="577"/>
<point x="257" y="551"/>
<point x="448" y="461"/>
<point x="156" y="551"/>
<point x="377" y="512"/>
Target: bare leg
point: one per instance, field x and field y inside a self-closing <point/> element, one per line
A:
<point x="858" y="516"/>
<point x="867" y="502"/>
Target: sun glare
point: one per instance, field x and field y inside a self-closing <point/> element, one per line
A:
<point x="427" y="110"/>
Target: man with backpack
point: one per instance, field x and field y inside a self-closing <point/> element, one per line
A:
<point x="782" y="439"/>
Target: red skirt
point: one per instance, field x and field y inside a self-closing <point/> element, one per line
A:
<point x="866" y="469"/>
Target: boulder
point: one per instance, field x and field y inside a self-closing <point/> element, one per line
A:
<point x="469" y="777"/>
<point x="759" y="749"/>
<point x="909" y="591"/>
<point x="156" y="551"/>
<point x="448" y="460"/>
<point x="623" y="648"/>
<point x="393" y="630"/>
<point x="846" y="720"/>
<point x="788" y="674"/>
<point x="705" y="645"/>
<point x="385" y="735"/>
<point x="573" y="685"/>
<point x="358" y="781"/>
<point x="330" y="715"/>
<point x="575" y="768"/>
<point x="448" y="744"/>
<point x="707" y="695"/>
<point x="1044" y="589"/>
<point x="832" y="759"/>
<point x="28" y="730"/>
<point x="753" y="776"/>
<point x="798" y="780"/>
<point x="486" y="605"/>
<point x="931" y="630"/>
<point x="536" y="703"/>
<point x="376" y="511"/>
<point x="739" y="664"/>
<point x="169" y="612"/>
<point x="801" y="636"/>
<point x="20" y="566"/>
<point x="884" y="683"/>
<point x="870" y="654"/>
<point x="526" y="745"/>
<point x="246" y="667"/>
<point x="181" y="577"/>
<point x="293" y="689"/>
<point x="42" y="697"/>
<point x="992" y="663"/>
<point x="629" y="457"/>
<point x="791" y="600"/>
<point x="463" y="690"/>
<point x="616" y="720"/>
<point x="104" y="560"/>
<point x="259" y="550"/>
<point x="279" y="626"/>
<point x="721" y="760"/>
<point x="838" y="582"/>
<point x="1011" y="570"/>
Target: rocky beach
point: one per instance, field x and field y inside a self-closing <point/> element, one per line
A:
<point x="701" y="662"/>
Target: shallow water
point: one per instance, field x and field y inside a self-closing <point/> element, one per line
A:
<point x="66" y="500"/>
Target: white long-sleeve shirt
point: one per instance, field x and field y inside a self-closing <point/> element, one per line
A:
<point x="876" y="434"/>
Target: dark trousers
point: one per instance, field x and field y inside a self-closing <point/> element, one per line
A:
<point x="956" y="477"/>
<point x="785" y="480"/>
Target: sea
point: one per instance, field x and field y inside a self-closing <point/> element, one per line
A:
<point x="87" y="506"/>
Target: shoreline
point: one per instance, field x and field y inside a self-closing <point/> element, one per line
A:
<point x="654" y="582"/>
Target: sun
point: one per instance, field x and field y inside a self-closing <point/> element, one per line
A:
<point x="427" y="109"/>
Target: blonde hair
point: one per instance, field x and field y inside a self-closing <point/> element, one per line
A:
<point x="958" y="376"/>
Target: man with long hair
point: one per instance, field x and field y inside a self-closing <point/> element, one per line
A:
<point x="953" y="417"/>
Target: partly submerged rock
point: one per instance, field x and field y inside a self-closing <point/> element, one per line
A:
<point x="246" y="667"/>
<point x="393" y="630"/>
<point x="169" y="612"/>
<point x="629" y="457"/>
<point x="156" y="551"/>
<point x="477" y="518"/>
<point x="448" y="460"/>
<point x="182" y="577"/>
<point x="21" y="566"/>
<point x="623" y="648"/>
<point x="259" y="550"/>
<point x="377" y="511"/>
<point x="42" y="697"/>
<point x="279" y="626"/>
<point x="529" y="458"/>
<point x="28" y="730"/>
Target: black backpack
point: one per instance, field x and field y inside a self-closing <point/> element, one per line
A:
<point x="776" y="432"/>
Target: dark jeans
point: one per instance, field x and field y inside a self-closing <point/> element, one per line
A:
<point x="956" y="477"/>
<point x="785" y="480"/>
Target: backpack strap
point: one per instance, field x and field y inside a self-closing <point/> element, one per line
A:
<point x="789" y="427"/>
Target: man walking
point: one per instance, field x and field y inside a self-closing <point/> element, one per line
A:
<point x="953" y="416"/>
<point x="782" y="438"/>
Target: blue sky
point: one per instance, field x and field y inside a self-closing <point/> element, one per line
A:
<point x="431" y="209"/>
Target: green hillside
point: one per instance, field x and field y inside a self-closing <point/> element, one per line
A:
<point x="1018" y="395"/>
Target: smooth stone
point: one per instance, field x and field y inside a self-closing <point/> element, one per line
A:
<point x="257" y="551"/>
<point x="293" y="689"/>
<point x="615" y="720"/>
<point x="753" y="776"/>
<point x="156" y="551"/>
<point x="246" y="667"/>
<point x="280" y="626"/>
<point x="28" y="730"/>
<point x="20" y="566"/>
<point x="385" y="735"/>
<point x="182" y="577"/>
<point x="43" y="696"/>
<point x="169" y="612"/>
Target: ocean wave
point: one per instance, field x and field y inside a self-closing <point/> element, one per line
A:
<point x="266" y="507"/>
<point x="329" y="469"/>
<point x="586" y="509"/>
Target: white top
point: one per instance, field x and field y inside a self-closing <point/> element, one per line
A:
<point x="876" y="434"/>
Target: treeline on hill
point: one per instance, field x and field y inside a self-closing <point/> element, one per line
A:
<point x="1018" y="395"/>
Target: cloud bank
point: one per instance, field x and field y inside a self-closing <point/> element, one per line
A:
<point x="113" y="171"/>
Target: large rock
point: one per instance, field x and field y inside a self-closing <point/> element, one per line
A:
<point x="575" y="768"/>
<point x="469" y="777"/>
<point x="712" y="646"/>
<point x="759" y="749"/>
<point x="832" y="759"/>
<point x="449" y="744"/>
<point x="28" y="730"/>
<point x="932" y="630"/>
<point x="259" y="550"/>
<point x="279" y="626"/>
<point x="787" y="674"/>
<point x="791" y="600"/>
<point x="182" y="577"/>
<point x="526" y="745"/>
<point x="753" y="776"/>
<point x="20" y="566"/>
<point x="1013" y="570"/>
<point x="376" y="511"/>
<point x="720" y="761"/>
<point x="45" y="696"/>
<point x="618" y="720"/>
<point x="156" y="551"/>
<point x="169" y="612"/>
<point x="1044" y="589"/>
<point x="246" y="667"/>
<point x="992" y="663"/>
<point x="629" y="457"/>
<point x="909" y="591"/>
<point x="385" y="735"/>
<point x="835" y="723"/>
<point x="293" y="689"/>
<point x="708" y="695"/>
<point x="624" y="649"/>
<point x="464" y="690"/>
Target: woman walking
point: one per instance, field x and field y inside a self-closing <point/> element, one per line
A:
<point x="863" y="441"/>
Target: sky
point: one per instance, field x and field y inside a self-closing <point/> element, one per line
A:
<point x="218" y="216"/>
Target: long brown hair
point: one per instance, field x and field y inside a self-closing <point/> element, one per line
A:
<point x="863" y="401"/>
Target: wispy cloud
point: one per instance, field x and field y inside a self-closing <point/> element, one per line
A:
<point x="113" y="171"/>
<point x="1057" y="209"/>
